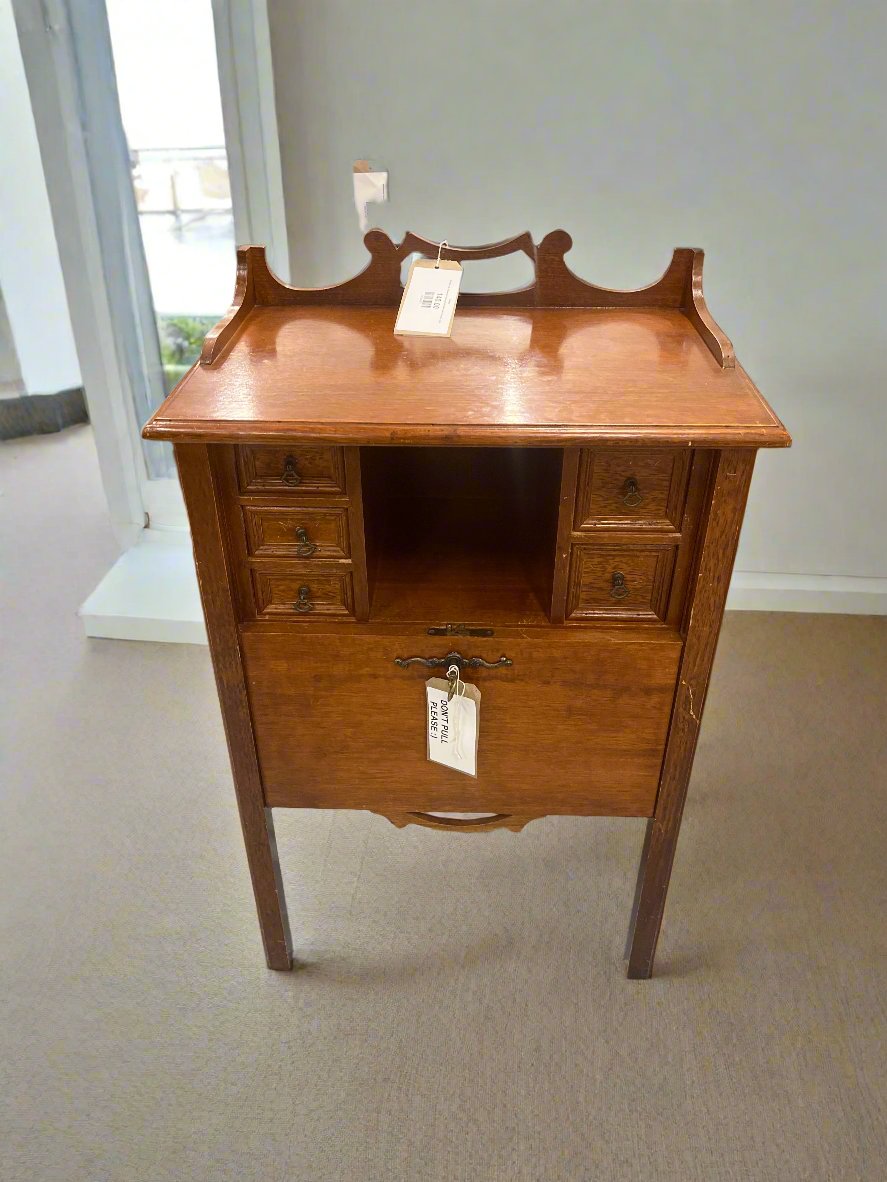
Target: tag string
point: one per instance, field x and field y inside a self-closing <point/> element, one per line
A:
<point x="456" y="711"/>
<point x="439" y="249"/>
<point x="456" y="719"/>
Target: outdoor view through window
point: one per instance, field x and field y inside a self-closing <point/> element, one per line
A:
<point x="179" y="166"/>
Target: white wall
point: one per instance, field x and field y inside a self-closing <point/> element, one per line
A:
<point x="752" y="129"/>
<point x="30" y="273"/>
<point x="11" y="384"/>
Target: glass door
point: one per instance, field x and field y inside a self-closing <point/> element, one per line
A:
<point x="128" y="99"/>
<point x="180" y="217"/>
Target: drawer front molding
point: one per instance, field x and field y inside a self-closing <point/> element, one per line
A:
<point x="303" y="533"/>
<point x="631" y="488"/>
<point x="622" y="582"/>
<point x="303" y="591"/>
<point x="296" y="470"/>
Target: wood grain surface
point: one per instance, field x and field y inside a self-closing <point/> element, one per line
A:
<point x="644" y="585"/>
<point x="576" y="725"/>
<point x="213" y="576"/>
<point x="642" y="489"/>
<point x="291" y="471"/>
<point x="558" y="362"/>
<point x="328" y="589"/>
<point x="275" y="531"/>
<point x="720" y="537"/>
<point x="554" y="285"/>
<point x="549" y="376"/>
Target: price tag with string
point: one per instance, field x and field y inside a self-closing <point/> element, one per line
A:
<point x="428" y="304"/>
<point x="452" y="722"/>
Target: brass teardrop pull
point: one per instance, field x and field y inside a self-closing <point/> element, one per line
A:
<point x="290" y="471"/>
<point x="631" y="493"/>
<point x="619" y="590"/>
<point x="305" y="547"/>
<point x="303" y="603"/>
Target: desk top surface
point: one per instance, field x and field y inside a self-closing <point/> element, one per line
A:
<point x="507" y="375"/>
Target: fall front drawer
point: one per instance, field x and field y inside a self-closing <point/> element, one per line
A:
<point x="576" y="724"/>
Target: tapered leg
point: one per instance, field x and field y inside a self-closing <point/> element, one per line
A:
<point x="654" y="873"/>
<point x="720" y="536"/>
<point x="199" y="486"/>
<point x="264" y="868"/>
<point x="639" y="885"/>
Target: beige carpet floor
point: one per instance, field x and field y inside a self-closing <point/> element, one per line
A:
<point x="462" y="1012"/>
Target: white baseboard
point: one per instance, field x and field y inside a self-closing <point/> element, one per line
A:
<point x="773" y="591"/>
<point x="151" y="593"/>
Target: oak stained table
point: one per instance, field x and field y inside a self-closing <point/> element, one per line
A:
<point x="550" y="500"/>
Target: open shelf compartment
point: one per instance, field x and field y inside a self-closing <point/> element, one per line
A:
<point x="461" y="535"/>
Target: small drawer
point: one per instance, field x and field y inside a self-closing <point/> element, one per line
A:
<point x="621" y="582"/>
<point x="302" y="591"/>
<point x="631" y="488"/>
<point x="291" y="470"/>
<point x="306" y="534"/>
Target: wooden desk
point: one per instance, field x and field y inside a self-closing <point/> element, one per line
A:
<point x="551" y="499"/>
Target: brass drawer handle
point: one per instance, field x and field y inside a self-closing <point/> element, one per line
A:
<point x="290" y="472"/>
<point x="303" y="603"/>
<point x="453" y="659"/>
<point x="305" y="547"/>
<point x="631" y="494"/>
<point x="619" y="590"/>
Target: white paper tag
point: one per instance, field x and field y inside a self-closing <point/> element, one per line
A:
<point x="368" y="187"/>
<point x="429" y="299"/>
<point x="451" y="726"/>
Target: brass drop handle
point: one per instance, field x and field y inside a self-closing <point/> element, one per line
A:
<point x="303" y="603"/>
<point x="619" y="590"/>
<point x="290" y="472"/>
<point x="631" y="493"/>
<point x="305" y="547"/>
